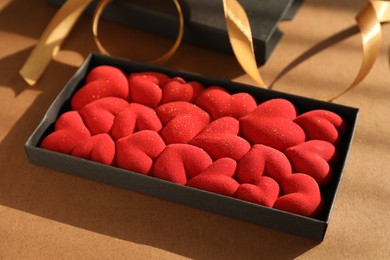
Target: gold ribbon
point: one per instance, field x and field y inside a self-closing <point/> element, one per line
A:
<point x="369" y="22"/>
<point x="51" y="39"/>
<point x="95" y="24"/>
<point x="240" y="36"/>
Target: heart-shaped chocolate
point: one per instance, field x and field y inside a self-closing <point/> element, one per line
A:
<point x="137" y="152"/>
<point x="300" y="195"/>
<point x="146" y="87"/>
<point x="262" y="161"/>
<point x="219" y="103"/>
<point x="99" y="114"/>
<point x="322" y="125"/>
<point x="224" y="166"/>
<point x="271" y="124"/>
<point x="69" y="131"/>
<point x="217" y="183"/>
<point x="135" y="117"/>
<point x="182" y="121"/>
<point x="181" y="162"/>
<point x="219" y="139"/>
<point x="265" y="192"/>
<point x="178" y="89"/>
<point x="99" y="148"/>
<point x="102" y="81"/>
<point x="313" y="158"/>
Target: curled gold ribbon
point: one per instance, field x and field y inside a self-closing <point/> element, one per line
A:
<point x="240" y="36"/>
<point x="51" y="39"/>
<point x="369" y="22"/>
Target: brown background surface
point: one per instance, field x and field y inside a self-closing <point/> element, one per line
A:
<point x="48" y="215"/>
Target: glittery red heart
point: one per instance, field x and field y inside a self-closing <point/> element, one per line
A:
<point x="179" y="90"/>
<point x="300" y="195"/>
<point x="102" y="81"/>
<point x="146" y="87"/>
<point x="182" y="121"/>
<point x="322" y="125"/>
<point x="181" y="162"/>
<point x="69" y="131"/>
<point x="99" y="148"/>
<point x="137" y="152"/>
<point x="314" y="158"/>
<point x="271" y="124"/>
<point x="219" y="103"/>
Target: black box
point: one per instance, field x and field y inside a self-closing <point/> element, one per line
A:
<point x="204" y="23"/>
<point x="269" y="217"/>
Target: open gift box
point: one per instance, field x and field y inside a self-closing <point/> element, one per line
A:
<point x="310" y="227"/>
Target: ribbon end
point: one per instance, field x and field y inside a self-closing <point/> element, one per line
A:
<point x="30" y="80"/>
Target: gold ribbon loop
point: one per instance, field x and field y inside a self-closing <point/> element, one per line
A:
<point x="95" y="24"/>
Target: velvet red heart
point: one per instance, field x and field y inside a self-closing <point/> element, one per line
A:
<point x="69" y="131"/>
<point x="180" y="162"/>
<point x="300" y="195"/>
<point x="314" y="158"/>
<point x="217" y="183"/>
<point x="265" y="192"/>
<point x="146" y="87"/>
<point x="99" y="114"/>
<point x="262" y="161"/>
<point x="322" y="125"/>
<point x="133" y="118"/>
<point x="102" y="81"/>
<point x="271" y="124"/>
<point x="99" y="148"/>
<point x="219" y="103"/>
<point x="224" y="166"/>
<point x="137" y="152"/>
<point x="178" y="89"/>
<point x="219" y="139"/>
<point x="182" y="121"/>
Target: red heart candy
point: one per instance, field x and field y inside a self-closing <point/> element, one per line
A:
<point x="99" y="115"/>
<point x="219" y="139"/>
<point x="102" y="81"/>
<point x="300" y="195"/>
<point x="322" y="125"/>
<point x="271" y="124"/>
<point x="99" y="148"/>
<point x="146" y="87"/>
<point x="276" y="108"/>
<point x="134" y="118"/>
<point x="69" y="131"/>
<point x="219" y="103"/>
<point x="136" y="152"/>
<point x="216" y="183"/>
<point x="262" y="161"/>
<point x="182" y="121"/>
<point x="179" y="90"/>
<point x="265" y="192"/>
<point x="314" y="158"/>
<point x="224" y="166"/>
<point x="179" y="162"/>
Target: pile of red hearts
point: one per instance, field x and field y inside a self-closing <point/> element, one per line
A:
<point x="202" y="137"/>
